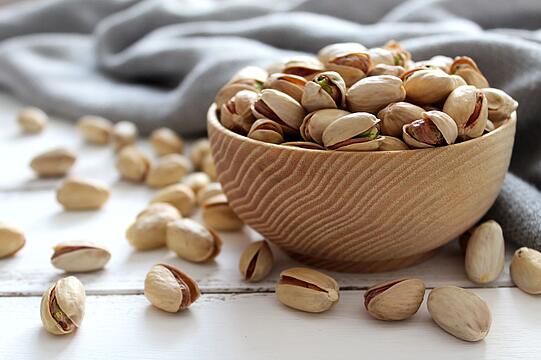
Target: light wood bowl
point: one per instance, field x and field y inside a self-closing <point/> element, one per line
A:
<point x="360" y="211"/>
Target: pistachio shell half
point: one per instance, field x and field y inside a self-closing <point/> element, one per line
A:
<point x="266" y="130"/>
<point x="351" y="60"/>
<point x="218" y="215"/>
<point x="395" y="299"/>
<point x="326" y="91"/>
<point x="485" y="253"/>
<point x="467" y="69"/>
<point x="11" y="240"/>
<point x="435" y="128"/>
<point x="304" y="66"/>
<point x="279" y="107"/>
<point x="293" y="85"/>
<point x="192" y="241"/>
<point x="247" y="78"/>
<point x="526" y="270"/>
<point x="256" y="261"/>
<point x="236" y="114"/>
<point x="316" y="122"/>
<point x="500" y="104"/>
<point x="468" y="107"/>
<point x="353" y="132"/>
<point x="373" y="93"/>
<point x="79" y="256"/>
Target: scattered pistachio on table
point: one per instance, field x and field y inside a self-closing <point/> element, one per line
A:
<point x="208" y="166"/>
<point x="256" y="261"/>
<point x="526" y="270"/>
<point x="196" y="181"/>
<point x="199" y="150"/>
<point x="192" y="241"/>
<point x="32" y="120"/>
<point x="95" y="129"/>
<point x="395" y="299"/>
<point x="485" y="253"/>
<point x="218" y="215"/>
<point x="53" y="163"/>
<point x="82" y="194"/>
<point x="12" y="240"/>
<point x="63" y="306"/>
<point x="181" y="196"/>
<point x="80" y="256"/>
<point x="212" y="189"/>
<point x="132" y="164"/>
<point x="167" y="170"/>
<point x="165" y="141"/>
<point x="149" y="230"/>
<point x="124" y="133"/>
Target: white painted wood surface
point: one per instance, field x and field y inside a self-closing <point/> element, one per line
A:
<point x="233" y="319"/>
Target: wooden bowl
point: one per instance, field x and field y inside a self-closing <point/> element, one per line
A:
<point x="360" y="211"/>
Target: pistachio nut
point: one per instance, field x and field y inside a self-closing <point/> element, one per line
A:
<point x="303" y="145"/>
<point x="439" y="61"/>
<point x="56" y="162"/>
<point x="402" y="57"/>
<point x="460" y="312"/>
<point x="199" y="150"/>
<point x="63" y="306"/>
<point x="236" y="115"/>
<point x="181" y="196"/>
<point x="467" y="69"/>
<point x="192" y="241"/>
<point x="293" y="85"/>
<point x="196" y="181"/>
<point x="353" y="132"/>
<point x="395" y="299"/>
<point x="218" y="215"/>
<point x="383" y="69"/>
<point x="373" y="93"/>
<point x="167" y="170"/>
<point x="266" y="130"/>
<point x="149" y="229"/>
<point x="468" y="107"/>
<point x="80" y="256"/>
<point x="12" y="240"/>
<point x="132" y="164"/>
<point x="390" y="143"/>
<point x="209" y="167"/>
<point x="351" y="60"/>
<point x="326" y="91"/>
<point x="82" y="194"/>
<point x="485" y="253"/>
<point x="427" y="85"/>
<point x="435" y="128"/>
<point x="307" y="290"/>
<point x="256" y="261"/>
<point x="170" y="289"/>
<point x="247" y="78"/>
<point x="165" y="141"/>
<point x="382" y="56"/>
<point x="124" y="133"/>
<point x="316" y="122"/>
<point x="32" y="120"/>
<point x="279" y="107"/>
<point x="304" y="66"/>
<point x="526" y="270"/>
<point x="500" y="104"/>
<point x="212" y="189"/>
<point x="394" y="116"/>
<point x="95" y="129"/>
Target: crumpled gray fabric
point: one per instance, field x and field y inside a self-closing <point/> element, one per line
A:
<point x="160" y="62"/>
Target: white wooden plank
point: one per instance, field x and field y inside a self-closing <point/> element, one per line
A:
<point x="257" y="326"/>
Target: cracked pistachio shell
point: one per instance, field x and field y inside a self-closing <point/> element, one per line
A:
<point x="166" y="141"/>
<point x="526" y="270"/>
<point x="485" y="253"/>
<point x="344" y="133"/>
<point x="373" y="93"/>
<point x="326" y="91"/>
<point x="304" y="66"/>
<point x="383" y="69"/>
<point x="82" y="194"/>
<point x="80" y="256"/>
<point x="500" y="104"/>
<point x="303" y="145"/>
<point x="181" y="196"/>
<point x="247" y="78"/>
<point x="196" y="181"/>
<point x="149" y="229"/>
<point x="192" y="241"/>
<point x="467" y="69"/>
<point x="218" y="215"/>
<point x="307" y="290"/>
<point x="63" y="306"/>
<point x="390" y="143"/>
<point x="460" y="312"/>
<point x="212" y="189"/>
<point x="351" y="60"/>
<point x="236" y="114"/>
<point x="52" y="163"/>
<point x="279" y="107"/>
<point x="427" y="85"/>
<point x="200" y="149"/>
<point x="256" y="261"/>
<point x="291" y="85"/>
<point x="394" y="300"/>
<point x="95" y="129"/>
<point x="209" y="167"/>
<point x="267" y="131"/>
<point x="468" y="107"/>
<point x="124" y="133"/>
<point x="394" y="116"/>
<point x="170" y="289"/>
<point x="11" y="240"/>
<point x="435" y="128"/>
<point x="167" y="170"/>
<point x="439" y="61"/>
<point x="32" y="120"/>
<point x="316" y="122"/>
<point x="132" y="164"/>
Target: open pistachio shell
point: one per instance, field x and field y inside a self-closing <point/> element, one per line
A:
<point x="435" y="128"/>
<point x="467" y="69"/>
<point x="63" y="306"/>
<point x="390" y="143"/>
<point x="353" y="132"/>
<point x="394" y="116"/>
<point x="429" y="85"/>
<point x="279" y="107"/>
<point x="500" y="104"/>
<point x="192" y="241"/>
<point x="351" y="60"/>
<point x="373" y="93"/>
<point x="468" y="107"/>
<point x="236" y="114"/>
<point x="80" y="256"/>
<point x="247" y="78"/>
<point x="326" y="91"/>
<point x="394" y="300"/>
<point x="293" y="85"/>
<point x="256" y="261"/>
<point x="266" y="130"/>
<point x="316" y="122"/>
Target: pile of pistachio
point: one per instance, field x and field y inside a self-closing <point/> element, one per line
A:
<point x="350" y="98"/>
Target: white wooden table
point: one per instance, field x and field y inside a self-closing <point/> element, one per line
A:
<point x="233" y="319"/>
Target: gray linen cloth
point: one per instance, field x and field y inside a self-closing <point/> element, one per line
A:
<point x="159" y="63"/>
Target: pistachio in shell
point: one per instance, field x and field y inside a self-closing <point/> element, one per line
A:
<point x="280" y="108"/>
<point x="12" y="240"/>
<point x="32" y="120"/>
<point x="353" y="132"/>
<point x="82" y="194"/>
<point x="165" y="141"/>
<point x="170" y="289"/>
<point x="63" y="306"/>
<point x="80" y="256"/>
<point x="192" y="241"/>
<point x="439" y="61"/>
<point x="402" y="57"/>
<point x="500" y="104"/>
<point x="382" y="56"/>
<point x="428" y="85"/>
<point x="218" y="215"/>
<point x="196" y="181"/>
<point x="248" y="78"/>
<point x="53" y="163"/>
<point x="468" y="107"/>
<point x="292" y="85"/>
<point x="124" y="133"/>
<point x="149" y="229"/>
<point x="212" y="189"/>
<point x="267" y="131"/>
<point x="132" y="164"/>
<point x="383" y="69"/>
<point x="390" y="143"/>
<point x="181" y="196"/>
<point x="394" y="116"/>
<point x="95" y="129"/>
<point x="167" y="170"/>
<point x="373" y="93"/>
<point x="256" y="261"/>
<point x="316" y="122"/>
<point x="351" y="60"/>
<point x="467" y="69"/>
<point x="526" y="270"/>
<point x="327" y="90"/>
<point x="435" y="128"/>
<point x="304" y="66"/>
<point x="236" y="114"/>
<point x="394" y="300"/>
<point x="199" y="150"/>
<point x="485" y="253"/>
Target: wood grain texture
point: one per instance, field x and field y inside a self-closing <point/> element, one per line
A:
<point x="360" y="211"/>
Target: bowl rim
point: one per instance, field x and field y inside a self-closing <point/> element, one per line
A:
<point x="212" y="118"/>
